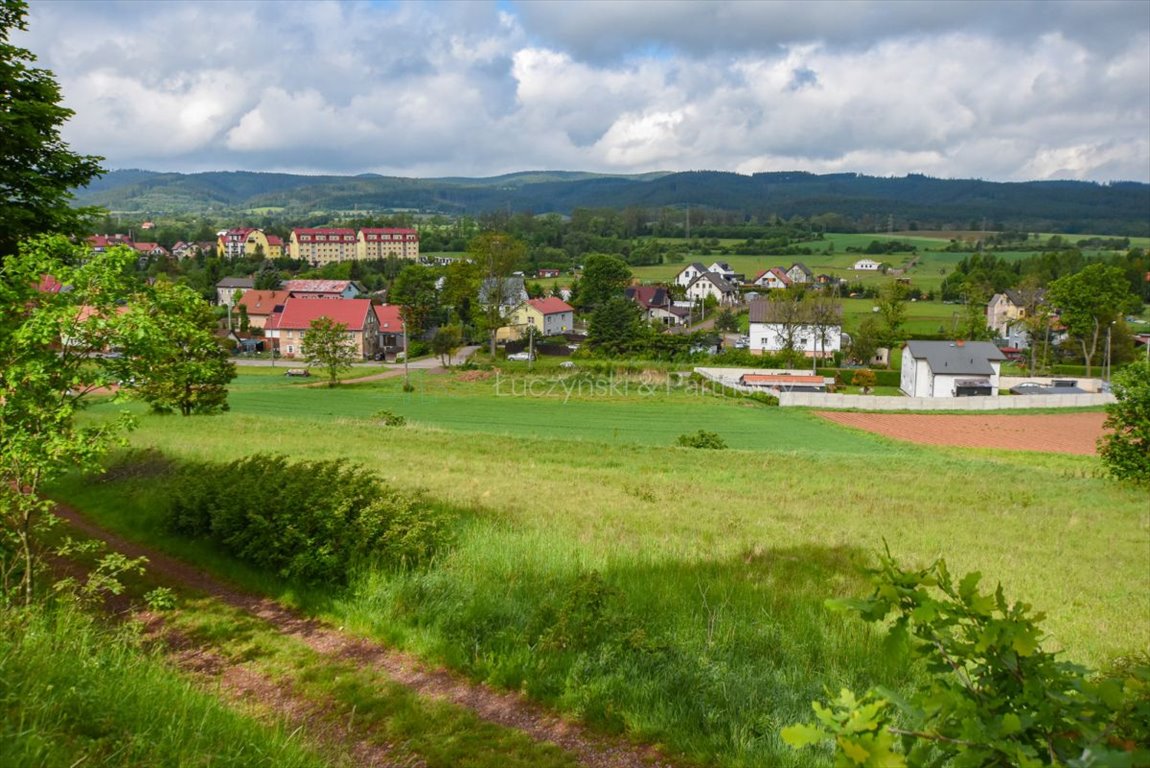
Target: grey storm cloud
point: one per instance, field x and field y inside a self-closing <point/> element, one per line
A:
<point x="1010" y="90"/>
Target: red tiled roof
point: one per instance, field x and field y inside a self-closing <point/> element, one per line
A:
<point x="780" y="378"/>
<point x="331" y="234"/>
<point x="263" y="302"/>
<point x="389" y="318"/>
<point x="550" y="306"/>
<point x="299" y="313"/>
<point x="275" y="240"/>
<point x="373" y="234"/>
<point x="315" y="286"/>
<point x="49" y="284"/>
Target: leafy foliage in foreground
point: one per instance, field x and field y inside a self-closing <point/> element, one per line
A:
<point x="308" y="520"/>
<point x="1126" y="449"/>
<point x="992" y="697"/>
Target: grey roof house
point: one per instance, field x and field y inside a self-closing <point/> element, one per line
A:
<point x="950" y="368"/>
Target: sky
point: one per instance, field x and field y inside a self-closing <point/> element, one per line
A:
<point x="1004" y="91"/>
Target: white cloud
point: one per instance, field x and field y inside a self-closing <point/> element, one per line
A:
<point x="1001" y="91"/>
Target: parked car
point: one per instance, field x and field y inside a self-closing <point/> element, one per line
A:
<point x="521" y="356"/>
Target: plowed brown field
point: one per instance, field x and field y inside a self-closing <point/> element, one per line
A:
<point x="1052" y="433"/>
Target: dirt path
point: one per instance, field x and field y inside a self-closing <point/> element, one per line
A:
<point x="506" y="709"/>
<point x="1075" y="433"/>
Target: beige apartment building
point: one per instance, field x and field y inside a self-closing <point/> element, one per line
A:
<point x="322" y="246"/>
<point x="381" y="243"/>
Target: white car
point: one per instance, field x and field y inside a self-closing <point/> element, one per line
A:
<point x="521" y="356"/>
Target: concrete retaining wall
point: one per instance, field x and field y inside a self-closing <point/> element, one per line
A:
<point x="1090" y="385"/>
<point x="729" y="377"/>
<point x="1002" y="403"/>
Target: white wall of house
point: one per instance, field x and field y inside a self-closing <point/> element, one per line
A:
<point x="866" y="265"/>
<point x="770" y="280"/>
<point x="701" y="289"/>
<point x="687" y="276"/>
<point x="797" y="275"/>
<point x="771" y="337"/>
<point x="918" y="380"/>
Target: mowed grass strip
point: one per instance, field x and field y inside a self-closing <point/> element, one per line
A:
<point x="619" y="410"/>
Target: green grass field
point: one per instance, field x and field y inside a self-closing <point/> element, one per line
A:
<point x="830" y="256"/>
<point x="605" y="572"/>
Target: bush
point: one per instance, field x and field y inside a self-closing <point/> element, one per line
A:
<point x="389" y="418"/>
<point x="311" y="520"/>
<point x="1125" y="449"/>
<point x="702" y="439"/>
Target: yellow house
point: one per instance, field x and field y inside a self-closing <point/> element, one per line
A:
<point x="243" y="241"/>
<point x="550" y="317"/>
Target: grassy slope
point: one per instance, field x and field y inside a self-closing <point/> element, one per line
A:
<point x="719" y="560"/>
<point x="72" y="694"/>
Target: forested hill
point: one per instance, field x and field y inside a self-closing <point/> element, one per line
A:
<point x="1121" y="208"/>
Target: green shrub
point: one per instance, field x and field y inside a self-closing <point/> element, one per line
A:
<point x="702" y="439"/>
<point x="309" y="520"/>
<point x="389" y="418"/>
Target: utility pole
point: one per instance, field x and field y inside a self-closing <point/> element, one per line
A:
<point x="406" y="375"/>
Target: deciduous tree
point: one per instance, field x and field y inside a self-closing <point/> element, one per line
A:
<point x="604" y="278"/>
<point x="1088" y="301"/>
<point x="1125" y="449"/>
<point x="414" y="291"/>
<point x="171" y="357"/>
<point x="444" y="343"/>
<point x="327" y="345"/>
<point x="37" y="169"/>
<point x="497" y="255"/>
<point x="58" y="319"/>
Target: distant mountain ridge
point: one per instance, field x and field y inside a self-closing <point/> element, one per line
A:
<point x="1120" y="208"/>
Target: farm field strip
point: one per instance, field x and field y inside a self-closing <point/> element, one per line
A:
<point x="1075" y="433"/>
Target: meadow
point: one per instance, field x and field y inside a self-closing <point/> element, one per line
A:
<point x="932" y="262"/>
<point x="672" y="594"/>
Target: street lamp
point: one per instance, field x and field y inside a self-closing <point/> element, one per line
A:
<point x="1106" y="368"/>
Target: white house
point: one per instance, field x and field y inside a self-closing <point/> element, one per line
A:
<point x="770" y="331"/>
<point x="799" y="273"/>
<point x="710" y="284"/>
<point x="723" y="270"/>
<point x="227" y="289"/>
<point x="690" y="274"/>
<point x="950" y="368"/>
<point x="866" y="265"/>
<point x="772" y="278"/>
